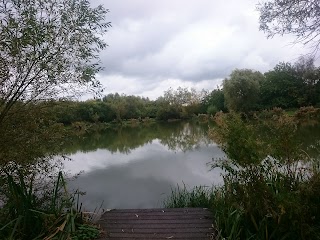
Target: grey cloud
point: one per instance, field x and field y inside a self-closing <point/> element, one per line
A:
<point x="195" y="40"/>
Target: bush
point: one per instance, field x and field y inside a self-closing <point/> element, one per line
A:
<point x="307" y="114"/>
<point x="212" y="110"/>
<point x="203" y="117"/>
<point x="168" y="112"/>
<point x="266" y="177"/>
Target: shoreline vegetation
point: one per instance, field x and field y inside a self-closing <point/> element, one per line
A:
<point x="271" y="187"/>
<point x="42" y="209"/>
<point x="302" y="116"/>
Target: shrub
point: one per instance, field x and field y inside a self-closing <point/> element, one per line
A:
<point x="212" y="110"/>
<point x="306" y="114"/>
<point x="266" y="177"/>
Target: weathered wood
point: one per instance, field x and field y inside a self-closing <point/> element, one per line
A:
<point x="160" y="223"/>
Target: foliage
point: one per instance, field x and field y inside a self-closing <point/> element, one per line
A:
<point x="301" y="18"/>
<point x="241" y="90"/>
<point x="287" y="86"/>
<point x="120" y="107"/>
<point x="168" y="112"/>
<point x="182" y="96"/>
<point x="281" y="88"/>
<point x="214" y="100"/>
<point x="212" y="110"/>
<point x="179" y="104"/>
<point x="271" y="186"/>
<point x="48" y="48"/>
<point x="273" y="183"/>
<point x="307" y="114"/>
<point x="30" y="135"/>
<point x="86" y="232"/>
<point x="226" y="134"/>
<point x="30" y="212"/>
<point x="291" y="86"/>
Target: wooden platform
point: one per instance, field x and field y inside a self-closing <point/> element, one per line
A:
<point x="160" y="223"/>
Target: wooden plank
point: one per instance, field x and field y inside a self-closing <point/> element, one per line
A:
<point x="157" y="221"/>
<point x="168" y="235"/>
<point x="159" y="230"/>
<point x="160" y="210"/>
<point x="166" y="226"/>
<point x="174" y="223"/>
<point x="154" y="217"/>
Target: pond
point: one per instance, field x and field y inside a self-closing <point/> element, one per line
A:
<point x="136" y="167"/>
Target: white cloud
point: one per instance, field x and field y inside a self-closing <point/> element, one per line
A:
<point x="154" y="45"/>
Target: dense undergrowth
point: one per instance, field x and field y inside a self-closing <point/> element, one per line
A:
<point x="38" y="210"/>
<point x="271" y="184"/>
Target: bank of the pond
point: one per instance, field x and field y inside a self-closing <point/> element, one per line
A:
<point x="304" y="115"/>
<point x="271" y="180"/>
<point x="83" y="127"/>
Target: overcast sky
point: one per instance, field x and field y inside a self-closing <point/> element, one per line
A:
<point x="155" y="45"/>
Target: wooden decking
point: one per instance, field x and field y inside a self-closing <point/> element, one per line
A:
<point x="160" y="223"/>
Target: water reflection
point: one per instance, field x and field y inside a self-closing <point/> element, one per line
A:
<point x="144" y="180"/>
<point x="137" y="167"/>
<point x="176" y="135"/>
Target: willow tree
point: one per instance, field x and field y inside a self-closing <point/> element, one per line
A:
<point x="241" y="90"/>
<point x="300" y="18"/>
<point x="48" y="49"/>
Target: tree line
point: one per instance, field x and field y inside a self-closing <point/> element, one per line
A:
<point x="181" y="103"/>
<point x="286" y="86"/>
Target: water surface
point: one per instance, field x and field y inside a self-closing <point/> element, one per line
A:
<point x="136" y="167"/>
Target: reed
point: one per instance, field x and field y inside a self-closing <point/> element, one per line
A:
<point x="30" y="213"/>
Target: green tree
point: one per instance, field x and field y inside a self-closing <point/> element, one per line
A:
<point x="291" y="85"/>
<point x="166" y="110"/>
<point x="281" y="87"/>
<point x="241" y="90"/>
<point x="48" y="49"/>
<point x="185" y="101"/>
<point x="214" y="102"/>
<point x="310" y="76"/>
<point x="117" y="103"/>
<point x="301" y="18"/>
<point x="30" y="136"/>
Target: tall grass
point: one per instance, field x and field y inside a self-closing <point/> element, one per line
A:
<point x="180" y="197"/>
<point x="30" y="213"/>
